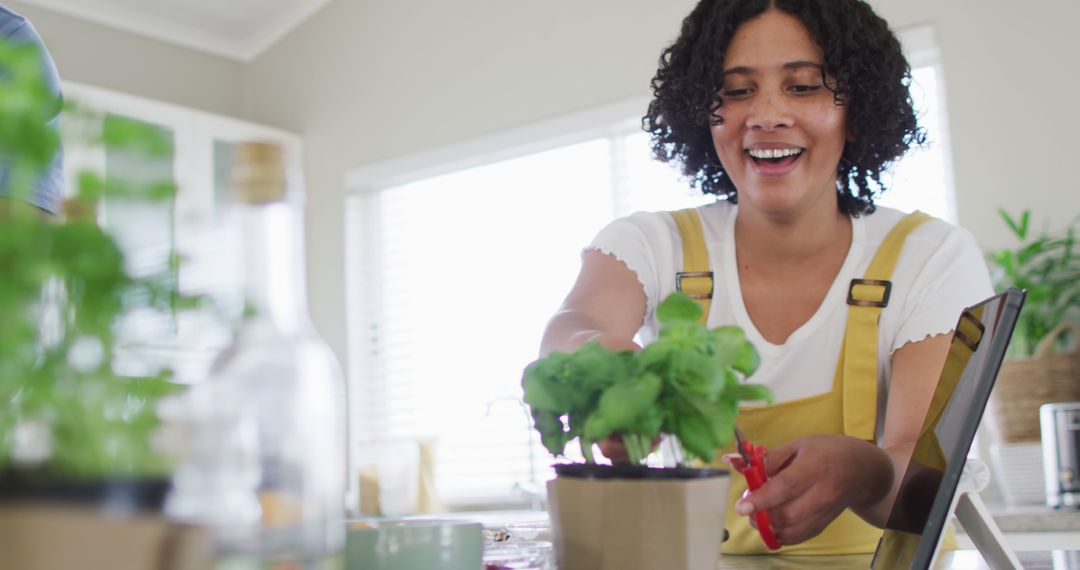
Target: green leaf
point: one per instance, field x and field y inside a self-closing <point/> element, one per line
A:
<point x="752" y="392"/>
<point x="648" y="424"/>
<point x="749" y="360"/>
<point x="148" y="140"/>
<point x="621" y="404"/>
<point x="542" y="391"/>
<point x="90" y="187"/>
<point x="696" y="373"/>
<point x="722" y="422"/>
<point x="597" y="428"/>
<point x="657" y="356"/>
<point x="728" y="343"/>
<point x="1019" y="229"/>
<point x="678" y="307"/>
<point x="595" y="367"/>
<point x="552" y="435"/>
<point x="695" y="434"/>
<point x="160" y="191"/>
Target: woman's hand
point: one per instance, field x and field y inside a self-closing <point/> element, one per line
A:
<point x="813" y="479"/>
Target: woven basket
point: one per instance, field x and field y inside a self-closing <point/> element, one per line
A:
<point x="1025" y="384"/>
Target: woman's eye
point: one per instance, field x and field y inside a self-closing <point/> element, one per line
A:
<point x="805" y="88"/>
<point x="736" y="93"/>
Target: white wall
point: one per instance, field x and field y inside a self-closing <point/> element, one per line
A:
<point x="105" y="57"/>
<point x="1011" y="89"/>
<point x="367" y="80"/>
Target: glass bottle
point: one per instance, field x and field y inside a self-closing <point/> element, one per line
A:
<point x="288" y="380"/>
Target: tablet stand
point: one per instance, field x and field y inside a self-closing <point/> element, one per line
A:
<point x="973" y="515"/>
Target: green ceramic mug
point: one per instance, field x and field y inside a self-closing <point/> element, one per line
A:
<point x="414" y="544"/>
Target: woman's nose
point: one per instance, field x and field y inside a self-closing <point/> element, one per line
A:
<point x="769" y="111"/>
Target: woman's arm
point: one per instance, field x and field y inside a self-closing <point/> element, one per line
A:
<point x="813" y="479"/>
<point x="606" y="304"/>
<point x="916" y="367"/>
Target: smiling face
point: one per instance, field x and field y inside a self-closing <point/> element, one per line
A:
<point x="782" y="134"/>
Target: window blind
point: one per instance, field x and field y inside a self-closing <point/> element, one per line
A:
<point x="451" y="281"/>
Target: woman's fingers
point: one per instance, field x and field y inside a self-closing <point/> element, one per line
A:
<point x="782" y="487"/>
<point x="778" y="459"/>
<point x="802" y="528"/>
<point x="800" y="495"/>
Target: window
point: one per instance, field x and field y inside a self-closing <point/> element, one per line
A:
<point x="457" y="259"/>
<point x="923" y="179"/>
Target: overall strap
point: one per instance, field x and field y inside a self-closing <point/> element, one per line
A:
<point x="695" y="279"/>
<point x="859" y="353"/>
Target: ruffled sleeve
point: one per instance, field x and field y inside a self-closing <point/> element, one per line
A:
<point x="952" y="277"/>
<point x="644" y="242"/>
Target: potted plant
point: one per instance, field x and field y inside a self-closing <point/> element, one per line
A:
<point x="81" y="483"/>
<point x="1040" y="368"/>
<point x="687" y="386"/>
<point x="71" y="429"/>
<point x="1047" y="265"/>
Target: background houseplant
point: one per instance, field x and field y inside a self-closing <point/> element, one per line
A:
<point x="66" y="418"/>
<point x="1047" y="265"/>
<point x="1041" y="367"/>
<point x="687" y="384"/>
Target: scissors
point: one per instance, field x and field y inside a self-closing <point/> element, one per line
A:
<point x="751" y="463"/>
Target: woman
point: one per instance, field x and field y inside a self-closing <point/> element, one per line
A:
<point x="789" y="111"/>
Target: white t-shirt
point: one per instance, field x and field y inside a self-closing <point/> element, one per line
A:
<point x="940" y="272"/>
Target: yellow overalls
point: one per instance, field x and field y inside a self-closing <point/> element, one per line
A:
<point x="849" y="408"/>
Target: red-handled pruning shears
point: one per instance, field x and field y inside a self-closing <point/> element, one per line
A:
<point x="751" y="463"/>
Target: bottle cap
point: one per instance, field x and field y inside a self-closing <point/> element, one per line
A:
<point x="258" y="173"/>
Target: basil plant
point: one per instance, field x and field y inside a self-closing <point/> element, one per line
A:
<point x="687" y="384"/>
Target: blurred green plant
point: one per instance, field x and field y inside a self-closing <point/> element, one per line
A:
<point x="1048" y="266"/>
<point x="64" y="412"/>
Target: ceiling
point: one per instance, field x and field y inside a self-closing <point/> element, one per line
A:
<point x="236" y="29"/>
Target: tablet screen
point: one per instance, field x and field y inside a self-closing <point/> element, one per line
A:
<point x="918" y="518"/>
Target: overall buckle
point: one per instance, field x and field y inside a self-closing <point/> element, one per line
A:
<point x="696" y="289"/>
<point x="885" y="288"/>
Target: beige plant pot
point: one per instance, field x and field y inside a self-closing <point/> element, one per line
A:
<point x="57" y="537"/>
<point x="639" y="524"/>
<point x="1024" y="384"/>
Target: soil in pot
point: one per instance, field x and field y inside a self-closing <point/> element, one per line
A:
<point x="631" y="471"/>
<point x="116" y="495"/>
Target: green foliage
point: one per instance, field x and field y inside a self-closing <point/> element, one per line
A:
<point x="1048" y="267"/>
<point x="63" y="290"/>
<point x="688" y="383"/>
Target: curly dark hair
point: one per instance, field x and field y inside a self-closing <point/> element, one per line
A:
<point x="869" y="76"/>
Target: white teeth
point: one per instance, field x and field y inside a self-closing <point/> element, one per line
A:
<point x="774" y="152"/>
